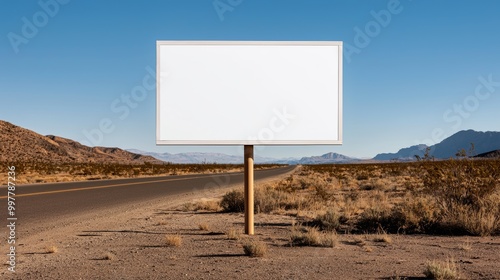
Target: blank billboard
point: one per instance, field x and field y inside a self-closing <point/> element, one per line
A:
<point x="249" y="93"/>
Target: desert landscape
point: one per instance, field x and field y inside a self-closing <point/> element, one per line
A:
<point x="262" y="139"/>
<point x="420" y="220"/>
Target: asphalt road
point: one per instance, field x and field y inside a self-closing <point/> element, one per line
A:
<point x="43" y="203"/>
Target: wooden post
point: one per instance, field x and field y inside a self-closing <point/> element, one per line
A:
<point x="249" y="225"/>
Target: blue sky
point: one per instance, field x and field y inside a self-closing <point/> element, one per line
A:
<point x="414" y="71"/>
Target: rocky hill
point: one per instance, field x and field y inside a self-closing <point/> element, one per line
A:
<point x="18" y="144"/>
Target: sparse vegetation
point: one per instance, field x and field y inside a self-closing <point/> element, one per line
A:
<point x="329" y="221"/>
<point x="255" y="249"/>
<point x="456" y="196"/>
<point x="311" y="236"/>
<point x="51" y="249"/>
<point x="173" y="240"/>
<point x="204" y="227"/>
<point x="382" y="237"/>
<point x="233" y="201"/>
<point x="438" y="270"/>
<point x="233" y="234"/>
<point x="40" y="172"/>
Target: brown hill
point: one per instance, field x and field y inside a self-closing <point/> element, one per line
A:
<point x="18" y="144"/>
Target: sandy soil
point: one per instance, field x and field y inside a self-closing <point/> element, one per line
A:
<point x="129" y="243"/>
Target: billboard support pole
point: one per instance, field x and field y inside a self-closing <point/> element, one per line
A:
<point x="249" y="193"/>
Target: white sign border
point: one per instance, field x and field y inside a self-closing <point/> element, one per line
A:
<point x="339" y="44"/>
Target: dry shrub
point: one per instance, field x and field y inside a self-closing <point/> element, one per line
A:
<point x="51" y="250"/>
<point x="382" y="236"/>
<point x="373" y="219"/>
<point x="373" y="184"/>
<point x="266" y="200"/>
<point x="468" y="220"/>
<point x="415" y="215"/>
<point x="310" y="236"/>
<point x="255" y="249"/>
<point x="233" y="201"/>
<point x="446" y="270"/>
<point x="173" y="240"/>
<point x="233" y="234"/>
<point x="329" y="240"/>
<point x="269" y="199"/>
<point x="329" y="221"/>
<point x="204" y="227"/>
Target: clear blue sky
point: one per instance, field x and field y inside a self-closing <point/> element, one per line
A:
<point x="64" y="66"/>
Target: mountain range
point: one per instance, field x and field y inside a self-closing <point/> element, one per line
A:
<point x="20" y="144"/>
<point x="483" y="142"/>
<point x="223" y="158"/>
<point x="195" y="157"/>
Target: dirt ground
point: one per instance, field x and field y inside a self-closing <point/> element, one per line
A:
<point x="129" y="243"/>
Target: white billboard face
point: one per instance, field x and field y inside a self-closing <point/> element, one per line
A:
<point x="249" y="93"/>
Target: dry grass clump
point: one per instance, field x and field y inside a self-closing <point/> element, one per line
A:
<point x="374" y="218"/>
<point x="233" y="234"/>
<point x="416" y="214"/>
<point x="233" y="201"/>
<point x="255" y="249"/>
<point x="109" y="256"/>
<point x="204" y="227"/>
<point x="51" y="249"/>
<point x="267" y="199"/>
<point x="329" y="221"/>
<point x="446" y="270"/>
<point x="173" y="240"/>
<point x="373" y="184"/>
<point x="382" y="237"/>
<point x="310" y="236"/>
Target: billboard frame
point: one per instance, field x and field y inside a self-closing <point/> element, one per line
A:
<point x="221" y="142"/>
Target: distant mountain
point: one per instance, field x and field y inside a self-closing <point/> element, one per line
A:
<point x="223" y="158"/>
<point x="327" y="158"/>
<point x="404" y="154"/>
<point x="196" y="157"/>
<point x="20" y="144"/>
<point x="483" y="142"/>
